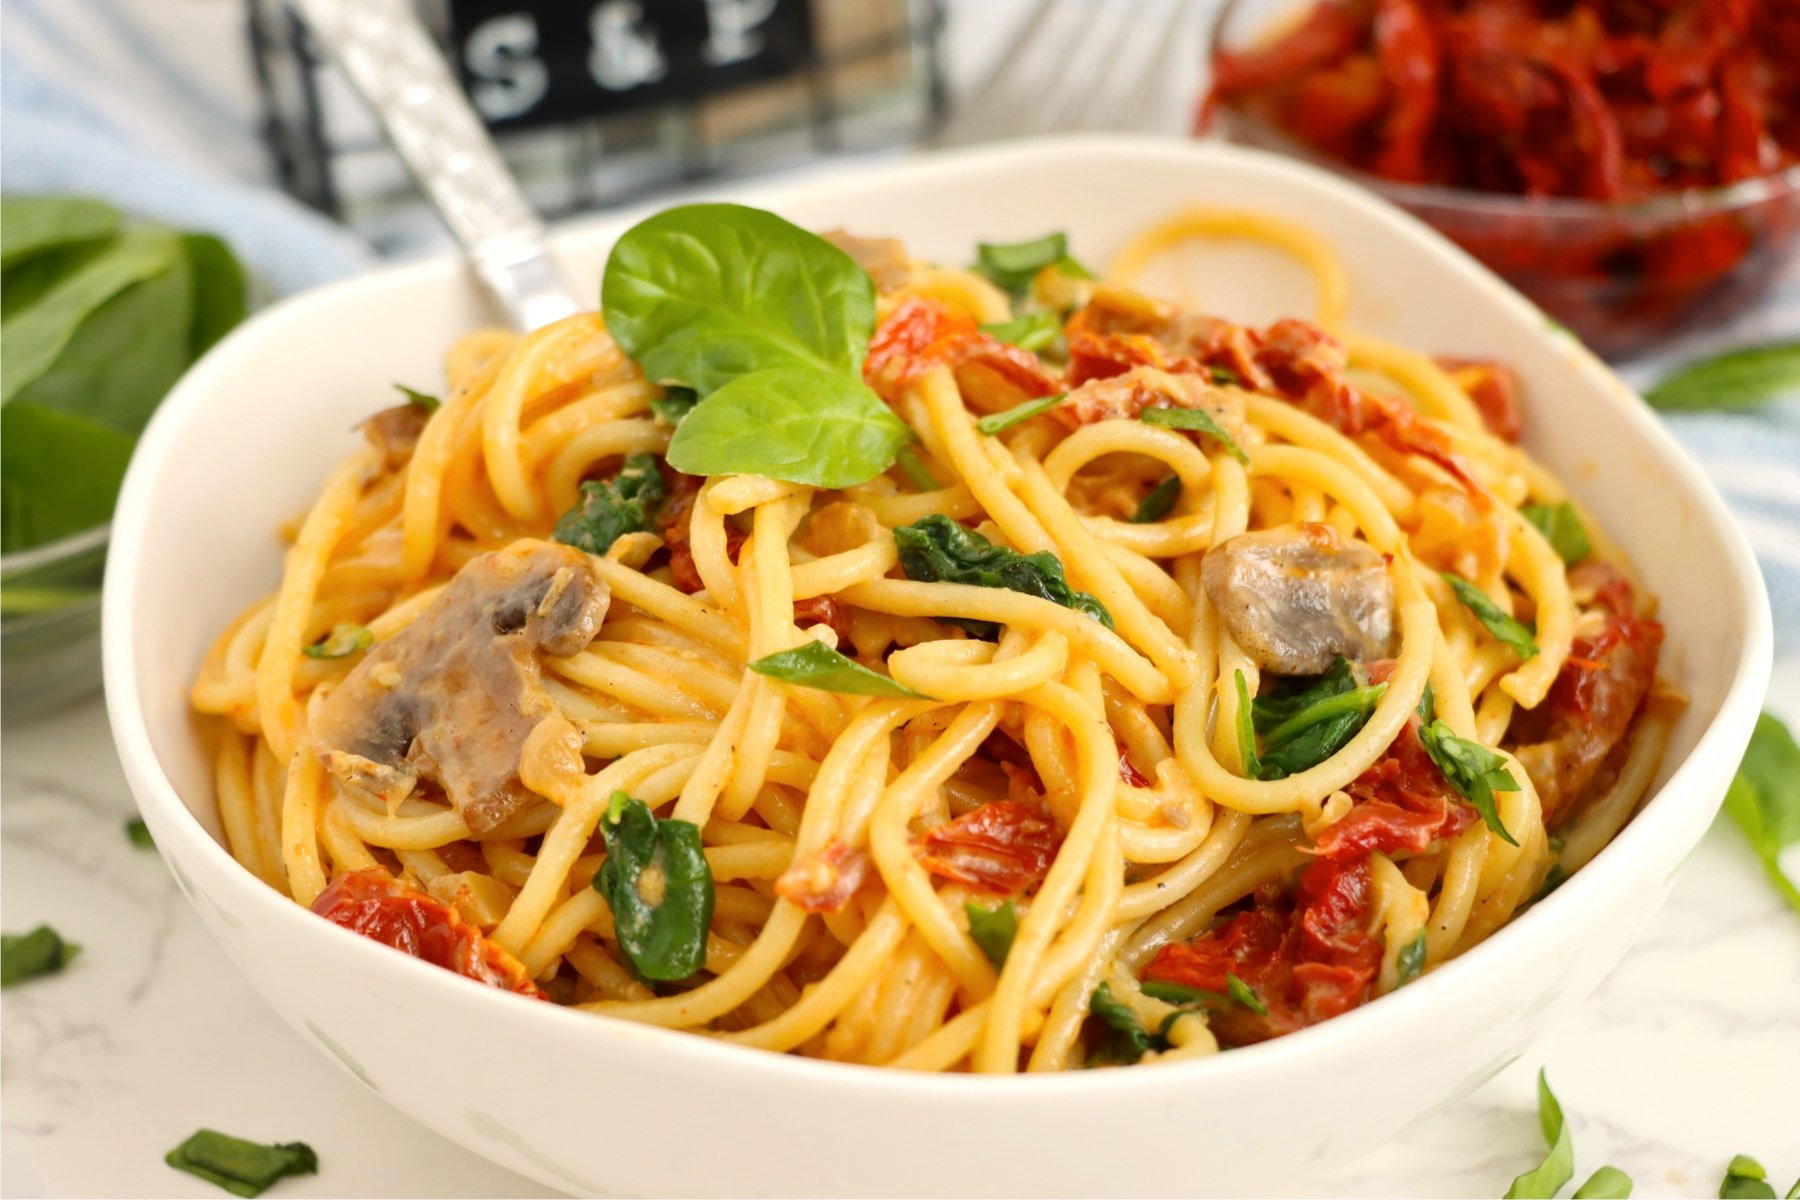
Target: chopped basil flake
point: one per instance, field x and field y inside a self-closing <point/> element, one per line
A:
<point x="674" y="404"/>
<point x="1410" y="963"/>
<point x="139" y="833"/>
<point x="26" y="956"/>
<point x="1130" y="1040"/>
<point x="240" y="1167"/>
<point x="1000" y="422"/>
<point x="1246" y="730"/>
<point x="816" y="665"/>
<point x="993" y="929"/>
<point x="1562" y="528"/>
<point x="1179" y="994"/>
<point x="343" y="641"/>
<point x="659" y="887"/>
<point x="1032" y="331"/>
<point x="1012" y="265"/>
<point x="1245" y="995"/>
<point x="1472" y="769"/>
<point x="1195" y="420"/>
<point x="1159" y="502"/>
<point x="424" y="401"/>
<point x="1493" y="618"/>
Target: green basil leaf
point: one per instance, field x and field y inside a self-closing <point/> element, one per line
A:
<point x="626" y="503"/>
<point x="1013" y="265"/>
<point x="38" y="225"/>
<point x="703" y="294"/>
<point x="1130" y="1041"/>
<point x="1000" y="422"/>
<point x="1493" y="619"/>
<point x="1562" y="528"/>
<point x="1608" y="1183"/>
<point x="659" y="887"/>
<point x="673" y="406"/>
<point x="59" y="473"/>
<point x="1245" y="995"/>
<point x="1739" y="379"/>
<point x="1745" y="1179"/>
<point x="802" y="426"/>
<point x="1472" y="769"/>
<point x="423" y="401"/>
<point x="1179" y="994"/>
<point x="1159" y="502"/>
<point x="1195" y="420"/>
<point x="915" y="470"/>
<point x="1031" y="331"/>
<point x="936" y="549"/>
<point x="1548" y="1177"/>
<point x="1225" y="375"/>
<point x="993" y="929"/>
<point x="1305" y="721"/>
<point x="1072" y="269"/>
<point x="343" y="641"/>
<point x="28" y="955"/>
<point x="1764" y="799"/>
<point x="1427" y="708"/>
<point x="139" y="834"/>
<point x="1246" y="729"/>
<point x="816" y="665"/>
<point x="1410" y="963"/>
<point x="33" y="340"/>
<point x="221" y="290"/>
<point x="240" y="1167"/>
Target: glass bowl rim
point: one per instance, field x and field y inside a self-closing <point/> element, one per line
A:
<point x="1689" y="202"/>
<point x="62" y="549"/>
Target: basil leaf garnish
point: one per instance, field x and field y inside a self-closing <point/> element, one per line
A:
<point x="1032" y="331"/>
<point x="1225" y="375"/>
<point x="1000" y="422"/>
<point x="1562" y="528"/>
<point x="1739" y="379"/>
<point x="993" y="929"/>
<point x="702" y="294"/>
<point x="1496" y="622"/>
<point x="1013" y="265"/>
<point x="423" y="401"/>
<point x="1179" y="994"/>
<point x="1547" y="1178"/>
<point x="1159" y="502"/>
<point x="343" y="641"/>
<point x="1764" y="799"/>
<point x="240" y="1167"/>
<point x="659" y="887"/>
<point x="28" y="955"/>
<point x="1245" y="995"/>
<point x="1303" y="722"/>
<point x="1195" y="420"/>
<point x="138" y="834"/>
<point x="936" y="549"/>
<point x="1410" y="963"/>
<point x="1608" y="1183"/>
<point x="1472" y="769"/>
<point x="768" y="324"/>
<point x="1130" y="1041"/>
<point x="803" y="426"/>
<point x="816" y="665"/>
<point x="626" y="503"/>
<point x="1246" y="730"/>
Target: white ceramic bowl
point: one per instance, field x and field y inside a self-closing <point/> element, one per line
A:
<point x="591" y="1104"/>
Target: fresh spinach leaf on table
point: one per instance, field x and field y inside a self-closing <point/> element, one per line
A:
<point x="1764" y="799"/>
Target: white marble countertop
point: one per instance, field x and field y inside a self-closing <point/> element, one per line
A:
<point x="1687" y="1054"/>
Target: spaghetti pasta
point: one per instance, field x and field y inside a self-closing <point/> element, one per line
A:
<point x="1228" y="690"/>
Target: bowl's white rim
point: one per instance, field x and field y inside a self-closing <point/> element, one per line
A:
<point x="1686" y="789"/>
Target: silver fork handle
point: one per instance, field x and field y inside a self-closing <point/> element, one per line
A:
<point x="397" y="69"/>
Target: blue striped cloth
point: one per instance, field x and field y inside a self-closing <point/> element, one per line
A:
<point x="150" y="104"/>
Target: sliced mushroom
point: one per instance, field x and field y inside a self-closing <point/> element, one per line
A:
<point x="1296" y="596"/>
<point x="395" y="433"/>
<point x="456" y="696"/>
<point x="885" y="259"/>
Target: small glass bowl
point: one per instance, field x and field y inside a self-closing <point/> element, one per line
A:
<point x="1622" y="275"/>
<point x="50" y="624"/>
